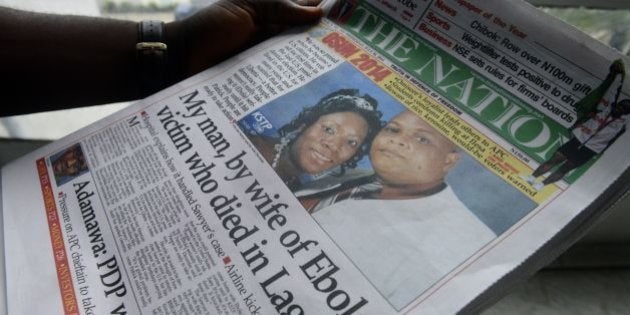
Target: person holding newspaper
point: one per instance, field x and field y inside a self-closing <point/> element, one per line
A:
<point x="332" y="135"/>
<point x="596" y="128"/>
<point x="403" y="227"/>
<point x="61" y="61"/>
<point x="590" y="139"/>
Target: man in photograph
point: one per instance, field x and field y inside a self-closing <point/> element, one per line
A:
<point x="403" y="227"/>
<point x="590" y="139"/>
<point x="69" y="164"/>
<point x="597" y="127"/>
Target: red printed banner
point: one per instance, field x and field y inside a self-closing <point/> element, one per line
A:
<point x="68" y="297"/>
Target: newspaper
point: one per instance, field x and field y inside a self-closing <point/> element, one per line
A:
<point x="473" y="135"/>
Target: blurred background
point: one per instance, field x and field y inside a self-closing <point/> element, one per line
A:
<point x="592" y="277"/>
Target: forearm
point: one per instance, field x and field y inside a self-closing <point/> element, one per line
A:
<point x="57" y="61"/>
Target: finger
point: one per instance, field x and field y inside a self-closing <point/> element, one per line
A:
<point x="290" y="13"/>
<point x="308" y="3"/>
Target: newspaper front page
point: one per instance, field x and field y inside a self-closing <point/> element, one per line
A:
<point x="400" y="157"/>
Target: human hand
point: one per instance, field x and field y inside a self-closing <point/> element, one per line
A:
<point x="228" y="26"/>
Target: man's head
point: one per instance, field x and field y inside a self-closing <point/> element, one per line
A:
<point x="71" y="163"/>
<point x="410" y="152"/>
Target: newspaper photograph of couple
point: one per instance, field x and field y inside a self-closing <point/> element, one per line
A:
<point x="400" y="199"/>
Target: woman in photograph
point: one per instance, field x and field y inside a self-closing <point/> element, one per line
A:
<point x="333" y="135"/>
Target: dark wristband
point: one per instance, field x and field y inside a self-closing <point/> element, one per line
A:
<point x="151" y="56"/>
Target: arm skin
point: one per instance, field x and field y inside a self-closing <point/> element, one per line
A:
<point x="52" y="62"/>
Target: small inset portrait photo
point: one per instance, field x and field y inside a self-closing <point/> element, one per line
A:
<point x="68" y="164"/>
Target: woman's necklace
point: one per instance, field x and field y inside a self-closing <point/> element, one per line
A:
<point x="279" y="148"/>
<point x="284" y="143"/>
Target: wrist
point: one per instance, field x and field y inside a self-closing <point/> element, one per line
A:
<point x="151" y="58"/>
<point x="176" y="63"/>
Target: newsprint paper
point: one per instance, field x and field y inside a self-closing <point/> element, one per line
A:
<point x="400" y="157"/>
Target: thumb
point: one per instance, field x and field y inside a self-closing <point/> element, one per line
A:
<point x="290" y="13"/>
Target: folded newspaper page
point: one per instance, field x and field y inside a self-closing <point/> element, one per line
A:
<point x="400" y="157"/>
